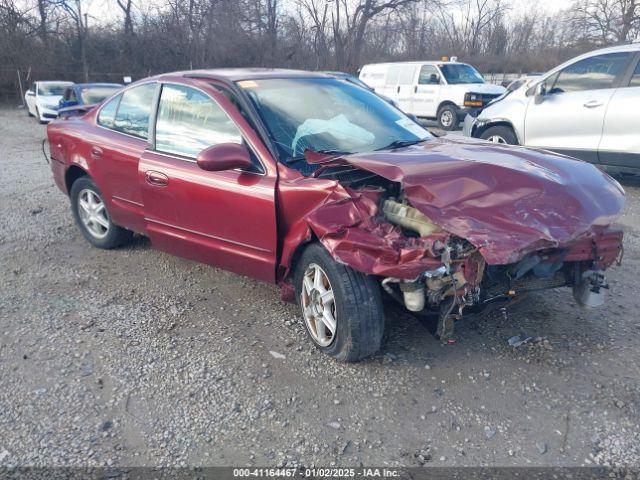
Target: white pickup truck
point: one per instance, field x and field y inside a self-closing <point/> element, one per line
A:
<point x="445" y="91"/>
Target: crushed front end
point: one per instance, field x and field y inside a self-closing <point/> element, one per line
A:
<point x="448" y="225"/>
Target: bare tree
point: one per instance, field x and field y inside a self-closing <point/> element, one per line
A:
<point x="73" y="8"/>
<point x="607" y="21"/>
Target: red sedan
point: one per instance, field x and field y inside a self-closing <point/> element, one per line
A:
<point x="320" y="186"/>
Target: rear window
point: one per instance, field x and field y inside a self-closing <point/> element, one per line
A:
<point x="91" y="95"/>
<point x="107" y="114"/>
<point x="134" y="110"/>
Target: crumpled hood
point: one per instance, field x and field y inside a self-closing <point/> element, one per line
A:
<point x="505" y="200"/>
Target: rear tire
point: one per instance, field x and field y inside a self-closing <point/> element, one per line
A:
<point x="92" y="217"/>
<point x="352" y="299"/>
<point x="448" y="118"/>
<point x="500" y="134"/>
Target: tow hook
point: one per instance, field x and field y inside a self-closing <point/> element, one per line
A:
<point x="590" y="291"/>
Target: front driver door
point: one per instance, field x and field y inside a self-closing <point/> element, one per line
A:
<point x="226" y="219"/>
<point x="569" y="118"/>
<point x="427" y="91"/>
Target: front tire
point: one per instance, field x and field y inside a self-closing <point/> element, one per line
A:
<point x="342" y="309"/>
<point x="93" y="219"/>
<point x="448" y="118"/>
<point x="500" y="134"/>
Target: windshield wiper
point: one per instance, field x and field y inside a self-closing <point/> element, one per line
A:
<point x="331" y="152"/>
<point x="401" y="143"/>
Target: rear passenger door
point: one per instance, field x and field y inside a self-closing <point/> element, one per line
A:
<point x="116" y="152"/>
<point x="620" y="144"/>
<point x="227" y="218"/>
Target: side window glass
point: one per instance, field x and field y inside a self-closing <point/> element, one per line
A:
<point x="134" y="110"/>
<point x="428" y="75"/>
<point x="635" y="80"/>
<point x="592" y="73"/>
<point x="189" y="121"/>
<point x="107" y="114"/>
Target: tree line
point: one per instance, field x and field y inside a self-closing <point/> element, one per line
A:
<point x="59" y="39"/>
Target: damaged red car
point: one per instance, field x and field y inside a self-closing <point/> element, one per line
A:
<point x="318" y="185"/>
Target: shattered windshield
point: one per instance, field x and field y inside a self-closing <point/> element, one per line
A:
<point x="328" y="115"/>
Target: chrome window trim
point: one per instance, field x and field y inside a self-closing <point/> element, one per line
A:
<point x="250" y="145"/>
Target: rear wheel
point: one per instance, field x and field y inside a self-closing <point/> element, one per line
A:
<point x="500" y="134"/>
<point x="91" y="215"/>
<point x="448" y="118"/>
<point x="342" y="309"/>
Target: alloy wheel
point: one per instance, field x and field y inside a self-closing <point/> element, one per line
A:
<point x="318" y="305"/>
<point x="93" y="213"/>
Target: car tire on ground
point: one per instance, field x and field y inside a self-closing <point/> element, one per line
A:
<point x="448" y="118"/>
<point x="348" y="302"/>
<point x="29" y="112"/>
<point x="91" y="215"/>
<point x="500" y="134"/>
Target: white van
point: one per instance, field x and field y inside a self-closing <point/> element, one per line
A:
<point x="445" y="91"/>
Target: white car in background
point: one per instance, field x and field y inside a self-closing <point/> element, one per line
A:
<point x="442" y="91"/>
<point x="43" y="99"/>
<point x="587" y="108"/>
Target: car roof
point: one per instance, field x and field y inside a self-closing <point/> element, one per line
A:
<point x="83" y="85"/>
<point x="59" y="82"/>
<point x="629" y="47"/>
<point x="236" y="74"/>
<point x="417" y="62"/>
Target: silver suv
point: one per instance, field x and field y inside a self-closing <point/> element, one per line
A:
<point x="588" y="108"/>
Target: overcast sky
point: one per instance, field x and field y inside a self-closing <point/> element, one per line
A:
<point x="108" y="10"/>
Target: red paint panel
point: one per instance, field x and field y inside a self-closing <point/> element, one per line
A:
<point x="226" y="219"/>
<point x="507" y="201"/>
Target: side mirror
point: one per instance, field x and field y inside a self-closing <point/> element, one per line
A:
<point x="224" y="156"/>
<point x="31" y="93"/>
<point x="540" y="92"/>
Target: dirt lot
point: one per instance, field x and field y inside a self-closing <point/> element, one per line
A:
<point x="133" y="357"/>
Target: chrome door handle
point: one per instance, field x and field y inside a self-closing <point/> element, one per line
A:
<point x="593" y="104"/>
<point x="156" y="178"/>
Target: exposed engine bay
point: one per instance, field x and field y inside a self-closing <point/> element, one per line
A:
<point x="397" y="227"/>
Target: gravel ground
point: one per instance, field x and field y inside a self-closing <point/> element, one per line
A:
<point x="133" y="357"/>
